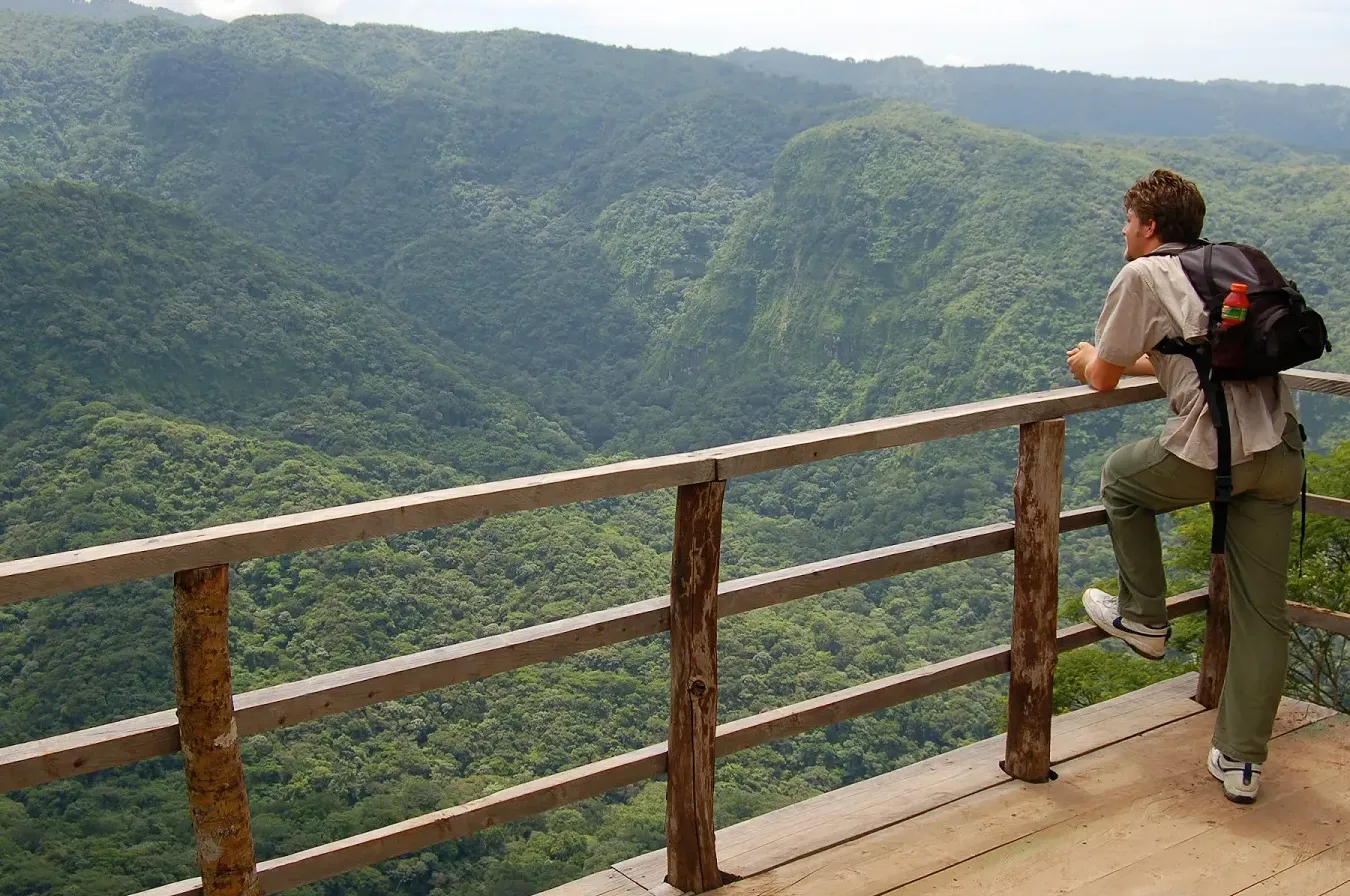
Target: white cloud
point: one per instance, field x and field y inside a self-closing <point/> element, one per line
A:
<point x="1299" y="41"/>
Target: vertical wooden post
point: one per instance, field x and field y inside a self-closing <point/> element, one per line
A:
<point x="211" y="761"/>
<point x="1036" y="503"/>
<point x="1214" y="660"/>
<point x="691" y="846"/>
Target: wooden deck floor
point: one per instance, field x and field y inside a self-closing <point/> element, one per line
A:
<point x="1133" y="811"/>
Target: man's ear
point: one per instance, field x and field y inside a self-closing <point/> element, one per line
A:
<point x="1149" y="230"/>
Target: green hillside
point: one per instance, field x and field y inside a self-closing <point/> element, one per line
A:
<point x="279" y="265"/>
<point x="173" y="376"/>
<point x="108" y="296"/>
<point x="106" y="11"/>
<point x="920" y="260"/>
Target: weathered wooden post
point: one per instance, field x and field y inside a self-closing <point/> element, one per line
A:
<point x="210" y="740"/>
<point x="691" y="845"/>
<point x="1036" y="506"/>
<point x="1214" y="660"/>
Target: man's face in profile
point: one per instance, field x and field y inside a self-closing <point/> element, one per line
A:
<point x="1137" y="235"/>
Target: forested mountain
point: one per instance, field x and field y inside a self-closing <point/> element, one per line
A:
<point x="279" y="265"/>
<point x="1016" y="96"/>
<point x="926" y="261"/>
<point x="106" y="11"/>
<point x="112" y="297"/>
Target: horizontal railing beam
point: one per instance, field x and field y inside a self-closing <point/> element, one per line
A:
<point x="1319" y="618"/>
<point x="795" y="449"/>
<point x="598" y="778"/>
<point x="512" y="804"/>
<point x="1329" y="506"/>
<point x="1323" y="381"/>
<point x="145" y="737"/>
<point x="236" y="542"/>
<point x="885" y="693"/>
<point x="126" y="561"/>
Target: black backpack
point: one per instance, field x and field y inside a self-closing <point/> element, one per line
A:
<point x="1281" y="331"/>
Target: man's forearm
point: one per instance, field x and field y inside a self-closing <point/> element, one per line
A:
<point x="1103" y="376"/>
<point x="1142" y="367"/>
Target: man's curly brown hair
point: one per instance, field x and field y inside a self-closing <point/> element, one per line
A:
<point x="1172" y="201"/>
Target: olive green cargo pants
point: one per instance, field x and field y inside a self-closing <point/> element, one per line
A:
<point x="1142" y="480"/>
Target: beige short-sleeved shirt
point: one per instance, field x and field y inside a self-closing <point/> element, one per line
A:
<point x="1152" y="299"/>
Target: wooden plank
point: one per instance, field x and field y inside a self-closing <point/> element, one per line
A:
<point x="691" y="835"/>
<point x="605" y="883"/>
<point x="119" y="743"/>
<point x="1118" y="830"/>
<point x="1317" y="617"/>
<point x="665" y="889"/>
<point x="1329" y="506"/>
<point x="211" y="763"/>
<point x="1296" y="816"/>
<point x="1122" y="841"/>
<point x="394" y="840"/>
<point x="1214" y="659"/>
<point x="922" y="846"/>
<point x="759" y="844"/>
<point x="1036" y="501"/>
<point x="863" y="699"/>
<point x="190" y="887"/>
<point x="90" y="750"/>
<point x="780" y="586"/>
<point x="219" y="545"/>
<point x="884" y="693"/>
<point x="156" y="734"/>
<point x="774" y="453"/>
<point x="1317" y="381"/>
<point x="1322" y="873"/>
<point x="923" y="842"/>
<point x="505" y="806"/>
<point x="873" y="805"/>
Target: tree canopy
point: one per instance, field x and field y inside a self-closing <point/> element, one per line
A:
<point x="278" y="265"/>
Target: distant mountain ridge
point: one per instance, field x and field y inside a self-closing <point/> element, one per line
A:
<point x="107" y="11"/>
<point x="1031" y="99"/>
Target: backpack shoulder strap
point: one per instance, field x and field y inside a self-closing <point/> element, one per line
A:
<point x="1169" y="250"/>
<point x="1217" y="402"/>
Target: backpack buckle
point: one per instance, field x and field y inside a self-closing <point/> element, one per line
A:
<point x="1223" y="488"/>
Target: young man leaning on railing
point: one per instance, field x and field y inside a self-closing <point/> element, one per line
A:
<point x="1150" y="301"/>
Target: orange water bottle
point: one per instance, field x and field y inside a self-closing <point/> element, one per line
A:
<point x="1235" y="306"/>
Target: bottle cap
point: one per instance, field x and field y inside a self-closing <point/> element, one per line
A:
<point x="1239" y="287"/>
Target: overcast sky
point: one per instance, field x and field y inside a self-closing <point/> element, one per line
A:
<point x="1295" y="41"/>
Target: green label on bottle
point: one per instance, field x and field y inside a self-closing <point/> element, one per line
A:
<point x="1234" y="314"/>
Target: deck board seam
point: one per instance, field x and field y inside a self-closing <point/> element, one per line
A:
<point x="634" y="881"/>
<point x="1166" y="692"/>
<point x="1274" y="874"/>
<point x="956" y="798"/>
<point x="970" y="793"/>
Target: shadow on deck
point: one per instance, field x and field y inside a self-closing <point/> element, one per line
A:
<point x="1133" y="811"/>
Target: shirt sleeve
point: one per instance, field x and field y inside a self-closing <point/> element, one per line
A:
<point x="1132" y="321"/>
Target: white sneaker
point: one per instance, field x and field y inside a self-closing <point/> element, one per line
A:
<point x="1148" y="641"/>
<point x="1240" y="779"/>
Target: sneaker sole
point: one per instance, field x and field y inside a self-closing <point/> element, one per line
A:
<point x="1138" y="652"/>
<point x="1116" y="633"/>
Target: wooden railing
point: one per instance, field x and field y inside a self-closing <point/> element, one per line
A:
<point x="209" y="718"/>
